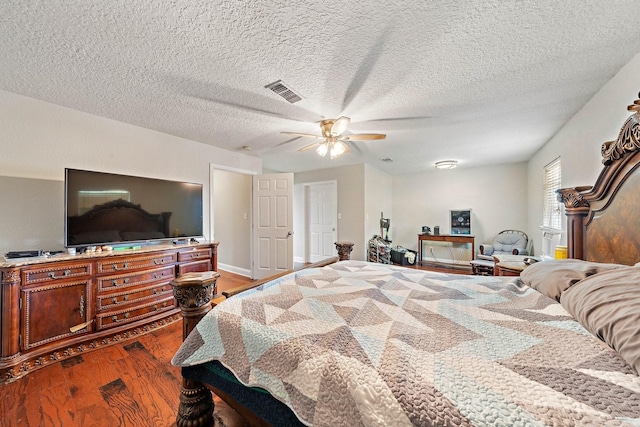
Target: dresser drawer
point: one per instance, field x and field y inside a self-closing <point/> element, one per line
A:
<point x="128" y="280"/>
<point x="194" y="267"/>
<point x="133" y="296"/>
<point x="46" y="273"/>
<point x="120" y="264"/>
<point x="194" y="255"/>
<point x="115" y="318"/>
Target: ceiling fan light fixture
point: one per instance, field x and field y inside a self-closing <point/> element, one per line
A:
<point x="446" y="164"/>
<point x="337" y="149"/>
<point x="322" y="149"/>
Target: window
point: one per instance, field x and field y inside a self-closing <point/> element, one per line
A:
<point x="552" y="211"/>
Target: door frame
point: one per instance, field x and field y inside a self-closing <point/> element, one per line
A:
<point x="212" y="168"/>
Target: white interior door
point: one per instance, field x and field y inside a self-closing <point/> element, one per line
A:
<point x="272" y="224"/>
<point x="322" y="212"/>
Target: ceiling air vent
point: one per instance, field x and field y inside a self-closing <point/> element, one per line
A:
<point x="284" y="91"/>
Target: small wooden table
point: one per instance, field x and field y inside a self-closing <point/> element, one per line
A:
<point x="455" y="238"/>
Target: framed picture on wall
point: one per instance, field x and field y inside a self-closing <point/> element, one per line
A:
<point x="460" y="221"/>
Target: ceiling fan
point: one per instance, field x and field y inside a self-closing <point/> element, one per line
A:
<point x="332" y="140"/>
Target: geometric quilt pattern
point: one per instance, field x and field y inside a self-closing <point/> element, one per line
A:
<point x="366" y="344"/>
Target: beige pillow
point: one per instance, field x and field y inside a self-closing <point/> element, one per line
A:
<point x="551" y="278"/>
<point x="608" y="305"/>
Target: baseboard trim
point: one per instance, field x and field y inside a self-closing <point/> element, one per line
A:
<point x="235" y="270"/>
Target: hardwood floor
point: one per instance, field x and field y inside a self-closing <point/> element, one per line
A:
<point x="131" y="383"/>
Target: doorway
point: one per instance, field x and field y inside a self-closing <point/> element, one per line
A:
<point x="321" y="220"/>
<point x="233" y="221"/>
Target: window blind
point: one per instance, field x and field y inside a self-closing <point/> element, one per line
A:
<point x="552" y="212"/>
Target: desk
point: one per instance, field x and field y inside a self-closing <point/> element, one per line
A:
<point x="455" y="238"/>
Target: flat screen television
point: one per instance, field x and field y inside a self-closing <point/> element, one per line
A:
<point x="110" y="209"/>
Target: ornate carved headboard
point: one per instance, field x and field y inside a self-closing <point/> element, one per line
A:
<point x="602" y="221"/>
<point x="119" y="220"/>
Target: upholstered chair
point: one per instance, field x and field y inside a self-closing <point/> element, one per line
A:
<point x="512" y="242"/>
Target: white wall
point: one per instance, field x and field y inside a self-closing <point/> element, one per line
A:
<point x="578" y="143"/>
<point x="232" y="220"/>
<point x="39" y="139"/>
<point x="496" y="195"/>
<point x="378" y="198"/>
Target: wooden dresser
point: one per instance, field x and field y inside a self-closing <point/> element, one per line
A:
<point x="58" y="307"/>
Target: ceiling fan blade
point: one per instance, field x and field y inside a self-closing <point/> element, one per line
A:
<point x="340" y="125"/>
<point x="363" y="137"/>
<point x="310" y="146"/>
<point x="303" y="134"/>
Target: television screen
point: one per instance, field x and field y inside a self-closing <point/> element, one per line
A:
<point x="104" y="208"/>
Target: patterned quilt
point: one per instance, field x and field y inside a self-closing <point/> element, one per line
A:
<point x="363" y="344"/>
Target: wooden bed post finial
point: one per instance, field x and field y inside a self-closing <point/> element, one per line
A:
<point x="194" y="292"/>
<point x="344" y="250"/>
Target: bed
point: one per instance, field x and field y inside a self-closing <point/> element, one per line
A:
<point x="355" y="343"/>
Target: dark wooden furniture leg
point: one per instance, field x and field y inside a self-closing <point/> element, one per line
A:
<point x="194" y="292"/>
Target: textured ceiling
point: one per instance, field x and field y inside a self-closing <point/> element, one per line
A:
<point x="479" y="81"/>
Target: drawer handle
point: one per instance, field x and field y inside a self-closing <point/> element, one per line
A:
<point x="124" y="298"/>
<point x="124" y="316"/>
<point x="65" y="273"/>
<point x="125" y="265"/>
<point x="156" y="308"/>
<point x="163" y="305"/>
<point x="81" y="306"/>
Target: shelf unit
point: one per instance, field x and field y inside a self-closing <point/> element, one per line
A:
<point x="379" y="250"/>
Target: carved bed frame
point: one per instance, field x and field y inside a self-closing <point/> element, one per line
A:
<point x="602" y="220"/>
<point x="602" y="226"/>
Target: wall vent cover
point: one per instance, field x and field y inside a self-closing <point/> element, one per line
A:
<point x="284" y="91"/>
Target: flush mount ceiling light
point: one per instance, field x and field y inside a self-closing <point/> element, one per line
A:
<point x="446" y="164"/>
